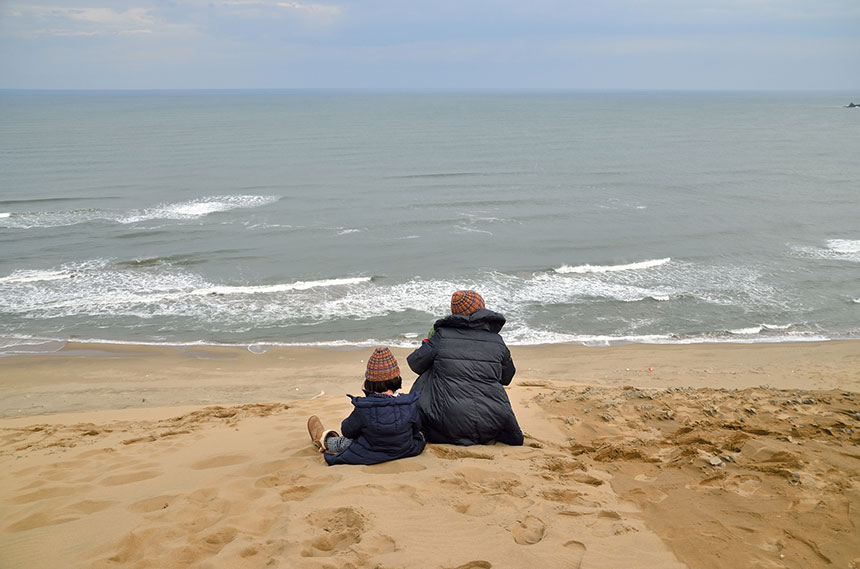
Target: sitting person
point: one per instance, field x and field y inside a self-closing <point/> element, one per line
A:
<point x="384" y="424"/>
<point x="463" y="367"/>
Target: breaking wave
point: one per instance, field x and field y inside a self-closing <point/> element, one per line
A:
<point x="835" y="249"/>
<point x="197" y="208"/>
<point x="584" y="269"/>
<point x="192" y="209"/>
<point x="166" y="294"/>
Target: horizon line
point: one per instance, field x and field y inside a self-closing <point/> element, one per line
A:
<point x="439" y="89"/>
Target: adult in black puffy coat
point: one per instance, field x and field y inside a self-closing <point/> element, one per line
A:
<point x="462" y="370"/>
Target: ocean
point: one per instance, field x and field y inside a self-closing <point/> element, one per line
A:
<point x="340" y="218"/>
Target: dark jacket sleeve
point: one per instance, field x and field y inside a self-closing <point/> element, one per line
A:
<point x="351" y="426"/>
<point x="508" y="370"/>
<point x="422" y="358"/>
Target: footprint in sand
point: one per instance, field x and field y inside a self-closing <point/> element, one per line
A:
<point x="45" y="493"/>
<point x="609" y="523"/>
<point x="577" y="552"/>
<point x="300" y="492"/>
<point x="377" y="545"/>
<point x="40" y="519"/>
<point x="215" y="540"/>
<point x="559" y="467"/>
<point x="563" y="495"/>
<point x="90" y="506"/>
<point x="642" y="496"/>
<point x="744" y="485"/>
<point x="152" y="504"/>
<point x="506" y="482"/>
<point x="121" y="479"/>
<point x="339" y="528"/>
<point x="295" y="487"/>
<point x="529" y="530"/>
<point x="477" y="508"/>
<point x="272" y="467"/>
<point x="583" y="478"/>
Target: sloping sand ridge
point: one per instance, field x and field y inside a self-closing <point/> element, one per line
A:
<point x="612" y="475"/>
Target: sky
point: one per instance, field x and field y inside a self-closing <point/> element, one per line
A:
<point x="445" y="44"/>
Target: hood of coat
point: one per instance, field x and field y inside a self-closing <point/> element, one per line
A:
<point x="378" y="400"/>
<point x="482" y="319"/>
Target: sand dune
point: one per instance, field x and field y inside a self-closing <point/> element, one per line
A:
<point x="610" y="476"/>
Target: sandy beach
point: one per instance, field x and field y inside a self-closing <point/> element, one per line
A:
<point x="640" y="456"/>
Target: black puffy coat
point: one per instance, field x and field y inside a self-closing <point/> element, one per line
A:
<point x="463" y="368"/>
<point x="383" y="428"/>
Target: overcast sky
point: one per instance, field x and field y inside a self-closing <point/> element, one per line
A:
<point x="444" y="44"/>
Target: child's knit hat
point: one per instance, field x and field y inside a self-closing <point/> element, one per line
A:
<point x="466" y="302"/>
<point x="381" y="365"/>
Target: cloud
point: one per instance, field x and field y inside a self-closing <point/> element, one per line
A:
<point x="803" y="10"/>
<point x="315" y="9"/>
<point x="320" y="15"/>
<point x="51" y="20"/>
<point x="306" y="43"/>
<point x="108" y="17"/>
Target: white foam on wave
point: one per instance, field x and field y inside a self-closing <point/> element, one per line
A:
<point x="191" y="209"/>
<point x="746" y="331"/>
<point x="525" y="336"/>
<point x="172" y="297"/>
<point x="554" y="288"/>
<point x="22" y="345"/>
<point x="88" y="287"/>
<point x="32" y="276"/>
<point x="197" y="208"/>
<point x="477" y="218"/>
<point x="753" y="330"/>
<point x="722" y="339"/>
<point x="465" y="229"/>
<point x="585" y="269"/>
<point x="835" y="249"/>
<point x="104" y="289"/>
<point x="32" y="220"/>
<point x="270" y="289"/>
<point x="844" y="246"/>
<point x="5" y="214"/>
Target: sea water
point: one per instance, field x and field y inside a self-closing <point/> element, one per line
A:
<point x="348" y="218"/>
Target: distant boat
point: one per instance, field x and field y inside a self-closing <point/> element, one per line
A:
<point x="851" y="105"/>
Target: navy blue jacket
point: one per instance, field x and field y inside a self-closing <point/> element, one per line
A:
<point x="383" y="428"/>
<point x="462" y="370"/>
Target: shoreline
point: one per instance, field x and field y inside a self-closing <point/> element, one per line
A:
<point x="91" y="377"/>
<point x="44" y="346"/>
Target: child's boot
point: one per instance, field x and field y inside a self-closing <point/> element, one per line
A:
<point x="318" y="433"/>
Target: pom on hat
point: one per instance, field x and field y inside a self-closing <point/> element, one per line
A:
<point x="381" y="365"/>
<point x="466" y="302"/>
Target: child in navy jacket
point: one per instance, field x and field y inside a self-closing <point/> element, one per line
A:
<point x="384" y="424"/>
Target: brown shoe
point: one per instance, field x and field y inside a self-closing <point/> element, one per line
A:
<point x="318" y="433"/>
<point x="316" y="430"/>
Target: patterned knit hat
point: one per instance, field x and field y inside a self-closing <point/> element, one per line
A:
<point x="381" y="365"/>
<point x="466" y="302"/>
